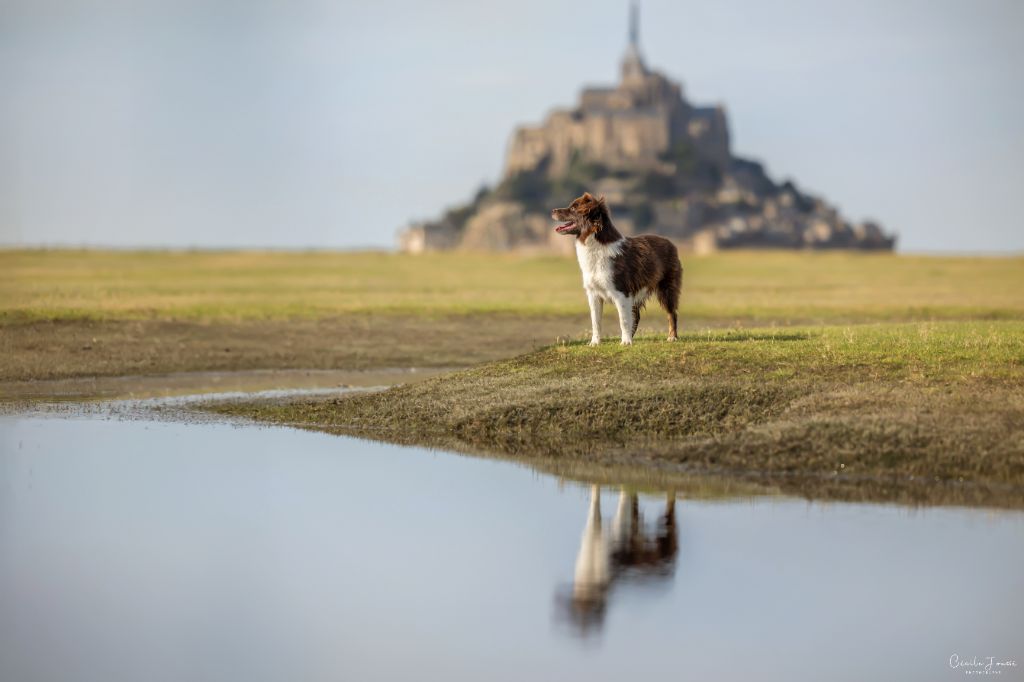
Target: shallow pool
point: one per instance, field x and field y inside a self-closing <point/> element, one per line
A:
<point x="145" y="550"/>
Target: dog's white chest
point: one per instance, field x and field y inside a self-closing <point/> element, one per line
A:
<point x="596" y="262"/>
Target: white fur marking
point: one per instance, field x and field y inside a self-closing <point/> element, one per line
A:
<point x="642" y="296"/>
<point x="595" y="261"/>
<point x="596" y="264"/>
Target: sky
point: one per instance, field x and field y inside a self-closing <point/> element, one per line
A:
<point x="308" y="123"/>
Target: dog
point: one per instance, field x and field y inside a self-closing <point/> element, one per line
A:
<point x="622" y="270"/>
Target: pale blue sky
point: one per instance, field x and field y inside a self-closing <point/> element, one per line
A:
<point x="325" y="124"/>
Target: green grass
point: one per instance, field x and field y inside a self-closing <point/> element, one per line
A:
<point x="840" y="375"/>
<point x="945" y="351"/>
<point x="783" y="287"/>
<point x="834" y="412"/>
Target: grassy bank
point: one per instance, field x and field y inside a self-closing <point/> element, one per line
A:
<point x="929" y="412"/>
<point x="69" y="313"/>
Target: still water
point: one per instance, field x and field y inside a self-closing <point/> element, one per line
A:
<point x="137" y="550"/>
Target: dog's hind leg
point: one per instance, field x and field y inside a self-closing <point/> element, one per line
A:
<point x="639" y="302"/>
<point x="668" y="296"/>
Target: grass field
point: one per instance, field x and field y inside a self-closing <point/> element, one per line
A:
<point x="749" y="286"/>
<point x="832" y="375"/>
<point x="66" y="314"/>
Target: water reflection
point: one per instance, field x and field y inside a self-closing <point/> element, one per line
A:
<point x="628" y="552"/>
<point x="301" y="556"/>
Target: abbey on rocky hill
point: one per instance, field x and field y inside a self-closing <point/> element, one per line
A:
<point x="663" y="164"/>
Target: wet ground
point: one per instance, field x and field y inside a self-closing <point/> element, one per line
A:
<point x="193" y="383"/>
<point x="134" y="545"/>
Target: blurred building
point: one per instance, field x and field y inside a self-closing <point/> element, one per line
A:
<point x="664" y="166"/>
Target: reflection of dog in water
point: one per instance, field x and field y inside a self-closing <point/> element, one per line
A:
<point x="628" y="552"/>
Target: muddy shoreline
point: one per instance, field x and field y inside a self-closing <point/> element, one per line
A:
<point x="195" y="383"/>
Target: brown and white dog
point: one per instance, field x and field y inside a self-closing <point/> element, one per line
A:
<point x="622" y="270"/>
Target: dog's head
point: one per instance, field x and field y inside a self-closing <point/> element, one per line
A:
<point x="585" y="216"/>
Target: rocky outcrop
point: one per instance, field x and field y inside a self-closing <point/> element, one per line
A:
<point x="664" y="166"/>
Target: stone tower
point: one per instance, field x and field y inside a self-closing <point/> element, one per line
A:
<point x="633" y="68"/>
<point x="633" y="126"/>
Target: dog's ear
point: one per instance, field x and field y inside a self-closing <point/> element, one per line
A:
<point x="597" y="212"/>
<point x="588" y="202"/>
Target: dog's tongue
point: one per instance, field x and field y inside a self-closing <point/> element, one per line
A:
<point x="563" y="226"/>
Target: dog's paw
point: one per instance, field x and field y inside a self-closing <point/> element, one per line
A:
<point x="595" y="342"/>
<point x="671" y="338"/>
<point x="627" y="342"/>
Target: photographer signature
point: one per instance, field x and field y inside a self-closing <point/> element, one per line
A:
<point x="981" y="665"/>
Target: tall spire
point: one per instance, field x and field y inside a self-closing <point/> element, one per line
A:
<point x="633" y="69"/>
<point x="634" y="25"/>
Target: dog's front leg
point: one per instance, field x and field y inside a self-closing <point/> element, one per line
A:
<point x="596" y="310"/>
<point x="624" y="304"/>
